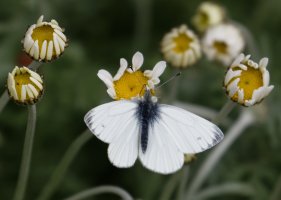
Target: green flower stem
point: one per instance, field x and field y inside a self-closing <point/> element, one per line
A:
<point x="100" y="190"/>
<point x="245" y="119"/>
<point x="202" y="111"/>
<point x="276" y="194"/>
<point x="4" y="100"/>
<point x="240" y="189"/>
<point x="62" y="167"/>
<point x="170" y="186"/>
<point x="27" y="152"/>
<point x="185" y="174"/>
<point x="226" y="109"/>
<point x="34" y="65"/>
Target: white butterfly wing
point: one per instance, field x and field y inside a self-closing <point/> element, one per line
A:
<point x="116" y="123"/>
<point x="174" y="133"/>
<point x="162" y="155"/>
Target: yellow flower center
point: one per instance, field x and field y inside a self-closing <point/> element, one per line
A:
<point x="221" y="47"/>
<point x="42" y="33"/>
<point x="130" y="85"/>
<point x="203" y="18"/>
<point x="250" y="80"/>
<point x="23" y="79"/>
<point x="182" y="42"/>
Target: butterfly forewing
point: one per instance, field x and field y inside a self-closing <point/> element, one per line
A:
<point x="191" y="133"/>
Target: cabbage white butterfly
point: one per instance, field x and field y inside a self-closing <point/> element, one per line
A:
<point x="158" y="134"/>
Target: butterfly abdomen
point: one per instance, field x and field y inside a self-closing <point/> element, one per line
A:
<point x="147" y="113"/>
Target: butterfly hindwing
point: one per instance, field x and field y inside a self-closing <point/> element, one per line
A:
<point x="162" y="154"/>
<point x="115" y="123"/>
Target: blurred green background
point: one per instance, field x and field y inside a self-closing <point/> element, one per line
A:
<point x="100" y="33"/>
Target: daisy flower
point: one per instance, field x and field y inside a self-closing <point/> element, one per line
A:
<point x="44" y="41"/>
<point x="181" y="47"/>
<point x="24" y="85"/>
<point x="129" y="81"/>
<point x="247" y="82"/>
<point x="208" y="14"/>
<point x="223" y="43"/>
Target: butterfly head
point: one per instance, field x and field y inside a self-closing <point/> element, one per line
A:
<point x="149" y="94"/>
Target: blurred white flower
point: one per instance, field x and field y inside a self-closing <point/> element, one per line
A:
<point x="223" y="43"/>
<point x="44" y="41"/>
<point x="180" y="47"/>
<point x="129" y="81"/>
<point x="24" y="85"/>
<point x="247" y="82"/>
<point x="208" y="14"/>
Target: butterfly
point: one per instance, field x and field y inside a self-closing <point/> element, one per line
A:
<point x="158" y="134"/>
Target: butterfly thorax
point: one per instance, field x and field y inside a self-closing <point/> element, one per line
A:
<point x="147" y="114"/>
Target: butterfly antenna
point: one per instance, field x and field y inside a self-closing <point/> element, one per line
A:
<point x="170" y="79"/>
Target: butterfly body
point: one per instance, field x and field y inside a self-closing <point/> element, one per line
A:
<point x="147" y="113"/>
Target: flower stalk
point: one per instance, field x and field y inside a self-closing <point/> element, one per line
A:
<point x="100" y="190"/>
<point x="64" y="164"/>
<point x="245" y="119"/>
<point x="27" y="153"/>
<point x="240" y="189"/>
<point x="226" y="109"/>
<point x="4" y="100"/>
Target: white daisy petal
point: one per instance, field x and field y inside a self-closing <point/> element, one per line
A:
<point x="106" y="77"/>
<point x="28" y="43"/>
<point x="122" y="69"/>
<point x="37" y="83"/>
<point x="61" y="35"/>
<point x="263" y="63"/>
<point x="111" y="93"/>
<point x="137" y="61"/>
<point x="233" y="87"/>
<point x="23" y="93"/>
<point x="33" y="90"/>
<point x="148" y="73"/>
<point x="43" y="50"/>
<point x="50" y="50"/>
<point x="231" y="74"/>
<point x="158" y="69"/>
<point x="56" y="44"/>
<point x="40" y="20"/>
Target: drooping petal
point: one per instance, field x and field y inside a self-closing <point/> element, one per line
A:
<point x="106" y="77"/>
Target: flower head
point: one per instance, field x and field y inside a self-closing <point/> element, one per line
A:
<point x="247" y="82"/>
<point x="208" y="14"/>
<point x="223" y="43"/>
<point x="24" y="85"/>
<point x="129" y="81"/>
<point x="181" y="47"/>
<point x="44" y="41"/>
